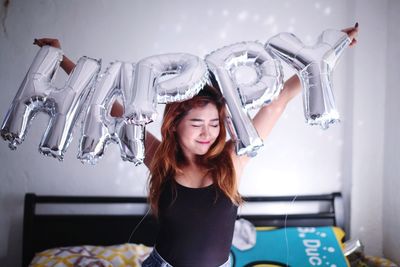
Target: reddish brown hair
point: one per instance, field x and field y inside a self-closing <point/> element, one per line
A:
<point x="169" y="158"/>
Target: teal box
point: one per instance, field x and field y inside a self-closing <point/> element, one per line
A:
<point x="294" y="247"/>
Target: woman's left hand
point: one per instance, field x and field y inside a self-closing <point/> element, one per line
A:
<point x="352" y="32"/>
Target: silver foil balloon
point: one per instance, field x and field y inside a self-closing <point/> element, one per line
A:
<point x="132" y="140"/>
<point x="240" y="97"/>
<point x="31" y="96"/>
<point x="163" y="79"/>
<point x="37" y="93"/>
<point x="314" y="66"/>
<point x="65" y="105"/>
<point x="100" y="128"/>
<point x="130" y="136"/>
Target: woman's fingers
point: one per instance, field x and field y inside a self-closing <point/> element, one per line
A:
<point x="352" y="32"/>
<point x="47" y="41"/>
<point x="353" y="42"/>
<point x="37" y="42"/>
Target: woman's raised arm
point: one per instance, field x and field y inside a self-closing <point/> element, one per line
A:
<point x="267" y="116"/>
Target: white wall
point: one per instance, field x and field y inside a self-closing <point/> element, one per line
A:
<point x="296" y="158"/>
<point x="369" y="83"/>
<point x="391" y="177"/>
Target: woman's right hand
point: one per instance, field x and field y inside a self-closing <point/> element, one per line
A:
<point x="47" y="41"/>
<point x="66" y="64"/>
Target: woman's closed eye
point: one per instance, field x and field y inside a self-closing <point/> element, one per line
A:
<point x="212" y="125"/>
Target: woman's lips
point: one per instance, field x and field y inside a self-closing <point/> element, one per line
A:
<point x="204" y="142"/>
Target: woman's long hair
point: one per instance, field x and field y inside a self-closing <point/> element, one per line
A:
<point x="169" y="158"/>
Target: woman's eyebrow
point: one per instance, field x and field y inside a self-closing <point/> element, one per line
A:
<point x="201" y="120"/>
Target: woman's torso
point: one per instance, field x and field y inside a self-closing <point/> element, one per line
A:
<point x="196" y="225"/>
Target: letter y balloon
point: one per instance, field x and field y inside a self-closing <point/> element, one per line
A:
<point x="314" y="66"/>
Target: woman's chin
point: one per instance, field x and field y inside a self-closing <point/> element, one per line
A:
<point x="202" y="151"/>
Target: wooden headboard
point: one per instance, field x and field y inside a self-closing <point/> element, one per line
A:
<point x="43" y="231"/>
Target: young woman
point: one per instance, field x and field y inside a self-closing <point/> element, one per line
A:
<point x="194" y="173"/>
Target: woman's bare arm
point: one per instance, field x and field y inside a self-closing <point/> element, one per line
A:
<point x="151" y="145"/>
<point x="267" y="116"/>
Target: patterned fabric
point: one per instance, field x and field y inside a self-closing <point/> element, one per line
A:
<point x="378" y="262"/>
<point x="125" y="255"/>
<point x="359" y="259"/>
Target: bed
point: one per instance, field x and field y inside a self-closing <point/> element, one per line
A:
<point x="60" y="221"/>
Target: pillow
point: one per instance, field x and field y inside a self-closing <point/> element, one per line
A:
<point x="244" y="234"/>
<point x="293" y="246"/>
<point x="111" y="256"/>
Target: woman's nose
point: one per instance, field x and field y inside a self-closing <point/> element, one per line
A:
<point x="205" y="131"/>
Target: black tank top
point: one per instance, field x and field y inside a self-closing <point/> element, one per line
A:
<point x="196" y="227"/>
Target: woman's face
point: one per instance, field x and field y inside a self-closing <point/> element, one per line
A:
<point x="198" y="130"/>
